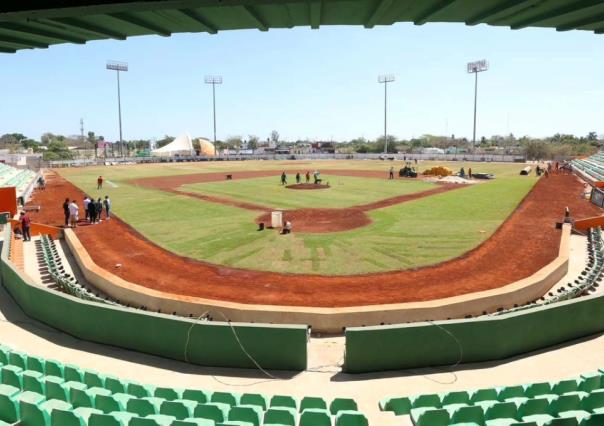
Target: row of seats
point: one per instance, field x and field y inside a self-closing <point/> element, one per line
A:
<point x="21" y="179"/>
<point x="66" y="282"/>
<point x="592" y="166"/>
<point x="570" y="402"/>
<point x="39" y="392"/>
<point x="587" y="282"/>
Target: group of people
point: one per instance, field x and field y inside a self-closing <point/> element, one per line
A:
<point x="92" y="210"/>
<point x="316" y="176"/>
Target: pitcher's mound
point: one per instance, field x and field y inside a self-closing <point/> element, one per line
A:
<point x="308" y="186"/>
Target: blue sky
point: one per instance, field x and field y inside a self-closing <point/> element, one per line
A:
<point x="316" y="84"/>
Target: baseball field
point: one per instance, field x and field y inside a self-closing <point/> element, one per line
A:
<point x="380" y="225"/>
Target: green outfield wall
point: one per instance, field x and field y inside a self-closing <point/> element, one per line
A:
<point x="441" y="343"/>
<point x="214" y="344"/>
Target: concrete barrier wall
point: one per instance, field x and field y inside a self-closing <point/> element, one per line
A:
<point x="210" y="344"/>
<point x="475" y="340"/>
<point x="328" y="320"/>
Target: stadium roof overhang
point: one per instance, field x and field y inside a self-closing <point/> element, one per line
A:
<point x="26" y="24"/>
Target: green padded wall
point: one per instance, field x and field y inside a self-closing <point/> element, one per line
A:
<point x="211" y="344"/>
<point x="482" y="339"/>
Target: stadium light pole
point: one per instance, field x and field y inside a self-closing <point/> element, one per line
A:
<point x="385" y="79"/>
<point x="118" y="67"/>
<point x="475" y="68"/>
<point x="214" y="80"/>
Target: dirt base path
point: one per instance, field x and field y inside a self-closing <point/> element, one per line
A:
<point x="526" y="242"/>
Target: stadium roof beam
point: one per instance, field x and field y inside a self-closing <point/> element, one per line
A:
<point x="378" y="13"/>
<point x="426" y="15"/>
<point x="28" y="29"/>
<point x="200" y="19"/>
<point x="493" y="11"/>
<point x="315" y="14"/>
<point x="91" y="28"/>
<point x="260" y="24"/>
<point x="29" y="43"/>
<point x="561" y="11"/>
<point x="582" y="22"/>
<point x="142" y="23"/>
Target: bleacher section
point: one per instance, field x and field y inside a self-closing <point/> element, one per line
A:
<point x="591" y="167"/>
<point x="39" y="392"/>
<point x="577" y="401"/>
<point x="587" y="283"/>
<point x="65" y="281"/>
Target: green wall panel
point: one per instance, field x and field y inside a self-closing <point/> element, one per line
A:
<point x="281" y="347"/>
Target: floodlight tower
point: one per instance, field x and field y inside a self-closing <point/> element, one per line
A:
<point x="117" y="67"/>
<point x="385" y="79"/>
<point x="475" y="68"/>
<point x="214" y="80"/>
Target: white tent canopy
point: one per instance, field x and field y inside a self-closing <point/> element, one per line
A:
<point x="182" y="145"/>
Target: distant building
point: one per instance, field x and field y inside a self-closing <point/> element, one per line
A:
<point x="433" y="151"/>
<point x="323" y="147"/>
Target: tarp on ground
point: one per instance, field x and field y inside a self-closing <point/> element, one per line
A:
<point x="182" y="145"/>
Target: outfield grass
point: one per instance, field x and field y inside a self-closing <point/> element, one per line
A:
<point x="344" y="191"/>
<point x="417" y="233"/>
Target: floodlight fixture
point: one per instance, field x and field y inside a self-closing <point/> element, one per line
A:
<point x="118" y="67"/>
<point x="385" y="79"/>
<point x="475" y="68"/>
<point x="213" y="80"/>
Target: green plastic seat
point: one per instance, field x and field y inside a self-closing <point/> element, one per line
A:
<point x="114" y="384"/>
<point x="509" y="392"/>
<point x="341" y="404"/>
<point x="399" y="406"/>
<point x="483" y="395"/>
<point x="33" y="381"/>
<point x="35" y="364"/>
<point x="499" y="411"/>
<point x="141" y="407"/>
<point x="4" y="355"/>
<point x="107" y="420"/>
<point x="64" y="418"/>
<point x="536" y="389"/>
<point x="468" y="414"/>
<point x="454" y="398"/>
<point x="436" y="417"/>
<point x="36" y="412"/>
<point x="351" y="418"/>
<point x="139" y="391"/>
<point x="593" y="420"/>
<point x="254" y="399"/>
<point x="71" y="373"/>
<point x="593" y="401"/>
<point x="55" y="389"/>
<point x="18" y="359"/>
<point x="123" y="398"/>
<point x="168" y="393"/>
<point x="9" y="409"/>
<point x="53" y="368"/>
<point x="315" y="417"/>
<point x="81" y="398"/>
<point x="225" y="398"/>
<point x="283" y="401"/>
<point x="570" y="421"/>
<point x="92" y="379"/>
<point x="565" y="403"/>
<point x="280" y="416"/>
<point x="107" y="404"/>
<point x="180" y="409"/>
<point x="565" y="386"/>
<point x="250" y="414"/>
<point x="196" y="395"/>
<point x="534" y="410"/>
<point x="11" y="375"/>
<point x="9" y="390"/>
<point x="212" y="411"/>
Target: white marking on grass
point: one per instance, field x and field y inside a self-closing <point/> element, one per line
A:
<point x="111" y="184"/>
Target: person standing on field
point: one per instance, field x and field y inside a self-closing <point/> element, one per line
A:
<point x="66" y="211"/>
<point x="391" y="176"/>
<point x="283" y="178"/>
<point x="86" y="203"/>
<point x="99" y="183"/>
<point x="92" y="212"/>
<point x="98" y="208"/>
<point x="307" y="176"/>
<point x="107" y="204"/>
<point x="73" y="214"/>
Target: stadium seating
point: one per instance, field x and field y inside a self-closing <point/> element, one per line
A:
<point x="575" y="402"/>
<point x="592" y="166"/>
<point x="39" y="392"/>
<point x="588" y="281"/>
<point x="66" y="282"/>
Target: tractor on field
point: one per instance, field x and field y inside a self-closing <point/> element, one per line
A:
<point x="407" y="171"/>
